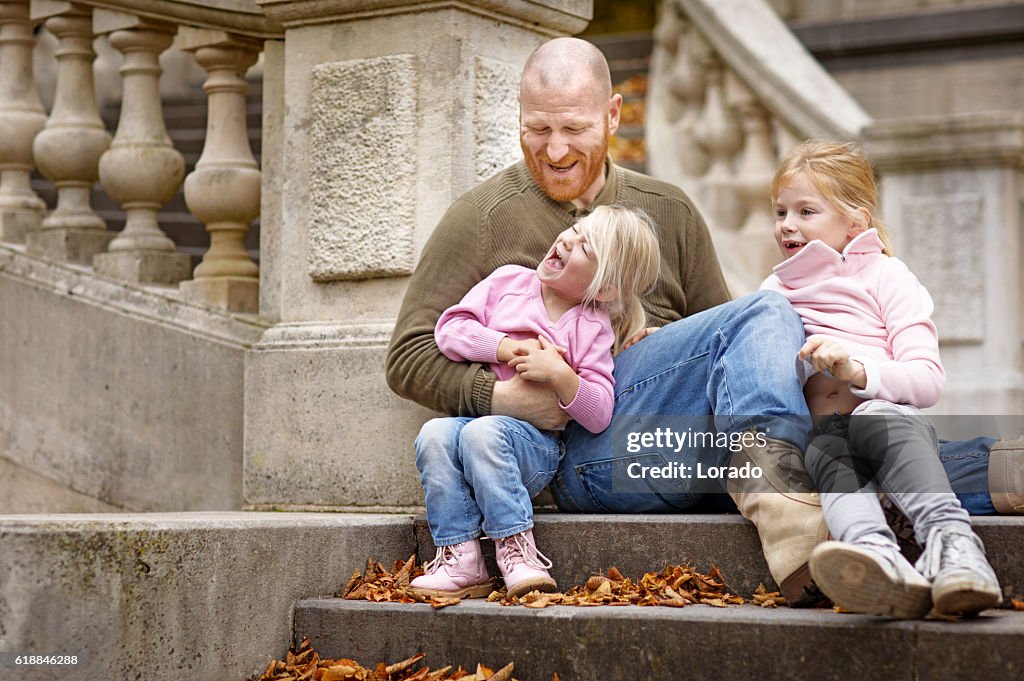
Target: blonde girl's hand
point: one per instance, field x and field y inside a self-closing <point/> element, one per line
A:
<point x="508" y="348"/>
<point x="640" y="336"/>
<point x="828" y="355"/>
<point x="547" y="365"/>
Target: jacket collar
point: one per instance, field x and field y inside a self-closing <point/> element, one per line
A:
<point x="817" y="261"/>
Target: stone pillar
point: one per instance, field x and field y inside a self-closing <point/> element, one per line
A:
<point x="68" y="150"/>
<point x="953" y="195"/>
<point x="365" y="145"/>
<point x="223" y="191"/>
<point x="141" y="170"/>
<point x="21" y="118"/>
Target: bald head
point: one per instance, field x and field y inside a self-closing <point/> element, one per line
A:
<point x="567" y="64"/>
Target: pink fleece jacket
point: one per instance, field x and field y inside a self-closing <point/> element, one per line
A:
<point x="508" y="303"/>
<point x="875" y="307"/>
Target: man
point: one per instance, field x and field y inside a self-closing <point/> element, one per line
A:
<point x="726" y="365"/>
<point x="712" y="359"/>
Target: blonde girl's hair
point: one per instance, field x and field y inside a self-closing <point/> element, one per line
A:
<point x="625" y="247"/>
<point x="843" y="175"/>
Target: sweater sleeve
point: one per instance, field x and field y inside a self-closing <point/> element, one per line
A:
<point x="462" y="333"/>
<point x="450" y="265"/>
<point x="595" y="399"/>
<point x="914" y="375"/>
<point x="703" y="280"/>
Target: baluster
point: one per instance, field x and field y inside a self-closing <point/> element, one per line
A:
<point x="141" y="170"/>
<point x="720" y="134"/>
<point x="753" y="182"/>
<point x="68" y="149"/>
<point x="689" y="85"/>
<point x="224" y="190"/>
<point x="21" y="118"/>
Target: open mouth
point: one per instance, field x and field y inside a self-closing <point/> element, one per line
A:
<point x="562" y="170"/>
<point x="555" y="261"/>
<point x="793" y="246"/>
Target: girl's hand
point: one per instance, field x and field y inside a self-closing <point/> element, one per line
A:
<point x="546" y="365"/>
<point x="828" y="355"/>
<point x="508" y="348"/>
<point x="640" y="336"/>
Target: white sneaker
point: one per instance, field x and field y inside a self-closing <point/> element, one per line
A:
<point x="870" y="578"/>
<point x="963" y="582"/>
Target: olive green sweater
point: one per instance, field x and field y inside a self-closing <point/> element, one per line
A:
<point x="509" y="220"/>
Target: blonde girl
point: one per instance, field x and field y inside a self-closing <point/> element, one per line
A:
<point x="873" y="358"/>
<point x="559" y="325"/>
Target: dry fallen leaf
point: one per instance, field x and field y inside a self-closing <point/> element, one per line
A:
<point x="304" y="664"/>
<point x="1017" y="603"/>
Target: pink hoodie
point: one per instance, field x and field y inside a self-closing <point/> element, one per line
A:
<point x="875" y="307"/>
<point x="508" y="303"/>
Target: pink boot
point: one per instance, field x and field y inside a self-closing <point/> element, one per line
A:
<point x="523" y="567"/>
<point x="456" y="572"/>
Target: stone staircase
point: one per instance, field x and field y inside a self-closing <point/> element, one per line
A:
<point x="737" y="642"/>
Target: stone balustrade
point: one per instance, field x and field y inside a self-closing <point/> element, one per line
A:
<point x="138" y="167"/>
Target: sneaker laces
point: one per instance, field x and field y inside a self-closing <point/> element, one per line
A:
<point x="947" y="547"/>
<point x="446" y="555"/>
<point x="519" y="548"/>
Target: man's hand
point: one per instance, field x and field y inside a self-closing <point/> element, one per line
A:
<point x="640" y="336"/>
<point x="535" y="403"/>
<point x="828" y="355"/>
<point x="509" y="349"/>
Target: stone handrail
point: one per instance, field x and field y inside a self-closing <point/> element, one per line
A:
<point x="138" y="167"/>
<point x="731" y="89"/>
<point x="241" y="17"/>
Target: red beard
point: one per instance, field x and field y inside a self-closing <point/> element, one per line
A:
<point x="566" y="188"/>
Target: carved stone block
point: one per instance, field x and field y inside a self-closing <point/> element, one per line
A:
<point x="495" y="116"/>
<point x="954" y="276"/>
<point x="362" y="154"/>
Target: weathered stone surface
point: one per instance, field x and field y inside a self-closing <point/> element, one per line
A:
<point x="77" y="246"/>
<point x="362" y="184"/>
<point x="127" y="396"/>
<point x="144" y="267"/>
<point x="496" y="118"/>
<point x="322" y="428"/>
<point x="955" y="277"/>
<point x="696" y="642"/>
<point x="172" y="596"/>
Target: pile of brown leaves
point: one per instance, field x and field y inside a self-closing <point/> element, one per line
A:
<point x="377" y="583"/>
<point x="675" y="586"/>
<point x="304" y="664"/>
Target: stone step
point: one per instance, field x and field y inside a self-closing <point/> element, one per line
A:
<point x="583" y="545"/>
<point x="696" y="642"/>
<point x="169" y="596"/>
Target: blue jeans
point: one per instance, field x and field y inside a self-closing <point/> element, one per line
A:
<point x="966" y="464"/>
<point x="479" y="475"/>
<point x="733" y="365"/>
<point x="736" y="365"/>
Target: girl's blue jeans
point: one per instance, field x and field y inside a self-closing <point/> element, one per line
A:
<point x="734" y="367"/>
<point x="479" y="475"/>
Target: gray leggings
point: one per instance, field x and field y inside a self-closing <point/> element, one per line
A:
<point x="880" y="447"/>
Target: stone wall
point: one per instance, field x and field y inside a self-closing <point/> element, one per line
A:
<point x="115" y="397"/>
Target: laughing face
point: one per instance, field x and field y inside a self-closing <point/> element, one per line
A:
<point x="803" y="214"/>
<point x="564" y="136"/>
<point x="568" y="268"/>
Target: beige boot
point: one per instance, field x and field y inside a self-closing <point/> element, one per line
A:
<point x="789" y="523"/>
<point x="1006" y="475"/>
